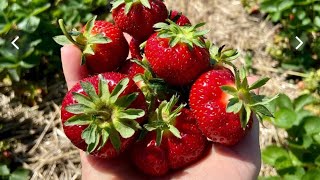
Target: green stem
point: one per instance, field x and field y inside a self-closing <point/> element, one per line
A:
<point x="65" y="32"/>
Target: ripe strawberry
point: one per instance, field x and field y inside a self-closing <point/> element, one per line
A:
<point x="134" y="48"/>
<point x="137" y="17"/>
<point x="179" y="18"/>
<point x="220" y="121"/>
<point x="174" y="140"/>
<point x="131" y="68"/>
<point x="102" y="43"/>
<point x="102" y="113"/>
<point x="177" y="54"/>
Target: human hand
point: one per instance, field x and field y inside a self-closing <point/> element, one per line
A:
<point x="241" y="161"/>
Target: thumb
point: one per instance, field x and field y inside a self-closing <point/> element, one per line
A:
<point x="71" y="64"/>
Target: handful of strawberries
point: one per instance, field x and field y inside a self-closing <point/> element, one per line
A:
<point x="164" y="105"/>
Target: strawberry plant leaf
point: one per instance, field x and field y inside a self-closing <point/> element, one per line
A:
<point x="312" y="125"/>
<point x="174" y="41"/>
<point x="131" y="114"/>
<point x="174" y="131"/>
<point x="79" y="120"/>
<point x="99" y="39"/>
<point x="272" y="153"/>
<point x="90" y="91"/>
<point x="116" y="3"/>
<point x="245" y="82"/>
<point x="89" y="27"/>
<point x="125" y="101"/>
<point x="82" y="99"/>
<point x="124" y="130"/>
<point x="127" y="7"/>
<point x="234" y="105"/>
<point x="19" y="174"/>
<point x="302" y="101"/>
<point x="4" y="170"/>
<point x="159" y="137"/>
<point x="90" y="134"/>
<point x="285" y="118"/>
<point x="149" y="127"/>
<point x="88" y="50"/>
<point x="145" y="3"/>
<point x="103" y="86"/>
<point x="312" y="174"/>
<point x="285" y="4"/>
<point x="248" y="116"/>
<point x="115" y="139"/>
<point x="262" y="110"/>
<point x="284" y="102"/>
<point x="160" y="25"/>
<point x="77" y="108"/>
<point x="317" y="161"/>
<point x="104" y="138"/>
<point x="316" y="138"/>
<point x="229" y="90"/>
<point x="92" y="146"/>
<point x="62" y="40"/>
<point x="259" y="83"/>
<point x="121" y="86"/>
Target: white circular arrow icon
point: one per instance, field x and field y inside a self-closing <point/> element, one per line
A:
<point x="299" y="42"/>
<point x="13" y="42"/>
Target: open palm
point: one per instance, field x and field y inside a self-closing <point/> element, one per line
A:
<point x="241" y="161"/>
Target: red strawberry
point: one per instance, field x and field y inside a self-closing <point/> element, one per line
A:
<point x="177" y="54"/>
<point x="179" y="18"/>
<point x="101" y="114"/>
<point x="102" y="43"/>
<point x="219" y="121"/>
<point x="177" y="143"/>
<point x="138" y="17"/>
<point x="134" y="48"/>
<point x="131" y="68"/>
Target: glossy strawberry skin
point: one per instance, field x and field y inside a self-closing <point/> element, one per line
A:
<point x="134" y="47"/>
<point x="181" y="21"/>
<point x="178" y="65"/>
<point x="108" y="57"/>
<point x="74" y="132"/>
<point x="140" y="20"/>
<point x="131" y="68"/>
<point x="209" y="102"/>
<point x="173" y="153"/>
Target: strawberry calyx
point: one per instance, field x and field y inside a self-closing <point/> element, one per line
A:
<point x="152" y="87"/>
<point x="129" y="4"/>
<point x="163" y="119"/>
<point x="181" y="34"/>
<point x="244" y="100"/>
<point x="85" y="40"/>
<point x="106" y="115"/>
<point x="220" y="55"/>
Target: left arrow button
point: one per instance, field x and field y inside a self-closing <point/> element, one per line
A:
<point x="13" y="42"/>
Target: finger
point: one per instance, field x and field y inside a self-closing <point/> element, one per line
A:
<point x="71" y="64"/>
<point x="128" y="38"/>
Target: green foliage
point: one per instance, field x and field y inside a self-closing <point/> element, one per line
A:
<point x="17" y="174"/>
<point x="34" y="21"/>
<point x="311" y="82"/>
<point x="298" y="18"/>
<point x="299" y="158"/>
<point x="8" y="171"/>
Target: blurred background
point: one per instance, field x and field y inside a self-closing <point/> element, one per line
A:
<point x="32" y="142"/>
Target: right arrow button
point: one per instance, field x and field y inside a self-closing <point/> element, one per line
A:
<point x="300" y="43"/>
